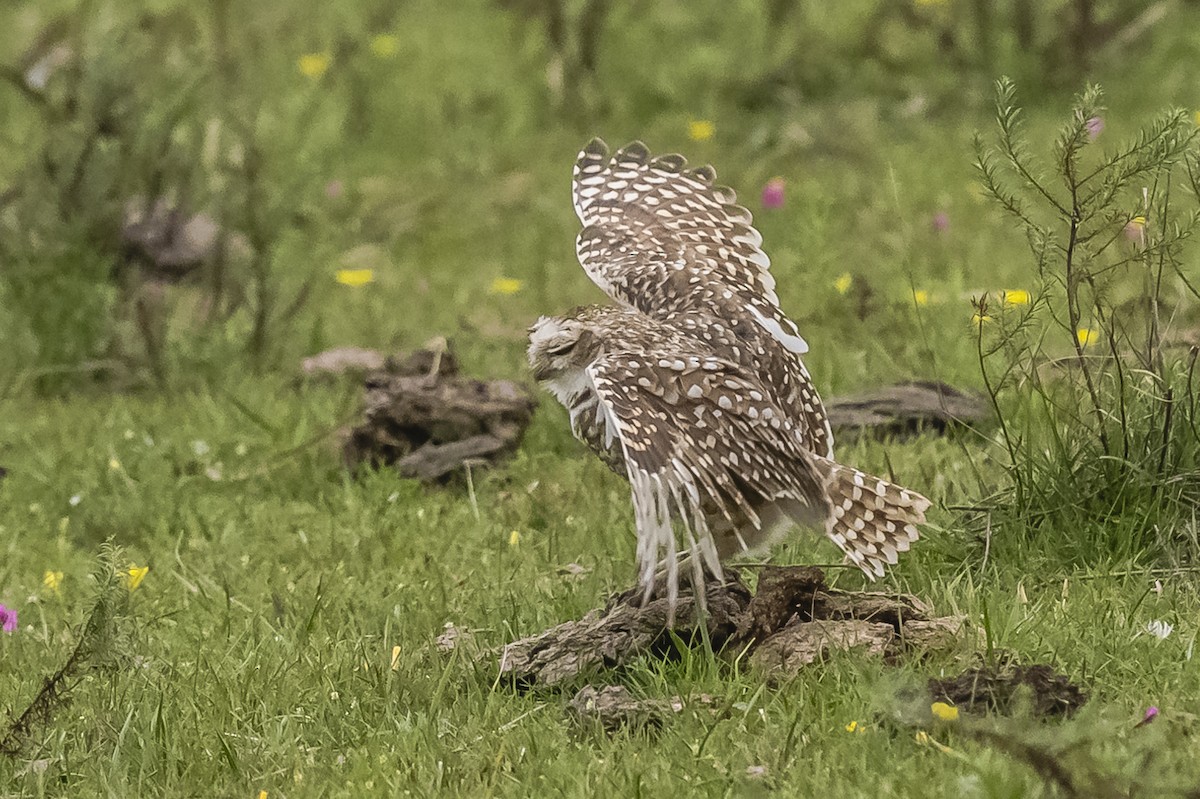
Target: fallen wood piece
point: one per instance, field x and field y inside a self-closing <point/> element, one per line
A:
<point x="428" y="422"/>
<point x="792" y="621"/>
<point x="342" y="360"/>
<point x="803" y="644"/>
<point x="618" y="635"/>
<point x="613" y="707"/>
<point x="908" y="408"/>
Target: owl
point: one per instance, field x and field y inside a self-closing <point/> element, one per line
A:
<point x="692" y="386"/>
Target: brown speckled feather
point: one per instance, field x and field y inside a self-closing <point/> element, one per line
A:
<point x="666" y="240"/>
<point x="693" y="387"/>
<point x="700" y="440"/>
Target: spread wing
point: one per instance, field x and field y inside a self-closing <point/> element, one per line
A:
<point x="699" y="437"/>
<point x="665" y="238"/>
<point x="668" y="241"/>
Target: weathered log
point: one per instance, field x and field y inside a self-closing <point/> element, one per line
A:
<point x="792" y="621"/>
<point x="907" y="408"/>
<point x="427" y="421"/>
<point x="342" y="360"/>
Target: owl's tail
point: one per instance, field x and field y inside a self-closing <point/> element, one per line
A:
<point x="872" y="520"/>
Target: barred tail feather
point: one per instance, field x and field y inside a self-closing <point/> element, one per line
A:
<point x="872" y="520"/>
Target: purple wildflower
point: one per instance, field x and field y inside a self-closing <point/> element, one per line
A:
<point x="940" y="222"/>
<point x="8" y="619"/>
<point x="1094" y="127"/>
<point x="1150" y="715"/>
<point x="772" y="193"/>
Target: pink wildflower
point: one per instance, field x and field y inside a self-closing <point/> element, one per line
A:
<point x="1135" y="230"/>
<point x="1094" y="127"/>
<point x="772" y="193"/>
<point x="940" y="222"/>
<point x="8" y="619"/>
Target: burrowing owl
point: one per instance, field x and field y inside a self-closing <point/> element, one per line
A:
<point x="692" y="387"/>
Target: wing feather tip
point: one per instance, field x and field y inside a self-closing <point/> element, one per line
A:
<point x="596" y="147"/>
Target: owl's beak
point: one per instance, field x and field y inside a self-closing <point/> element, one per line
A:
<point x="542" y="371"/>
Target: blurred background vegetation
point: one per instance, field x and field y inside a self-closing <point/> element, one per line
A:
<point x="195" y="195"/>
<point x="193" y="192"/>
<point x="182" y="183"/>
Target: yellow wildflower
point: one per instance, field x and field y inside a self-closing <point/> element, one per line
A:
<point x="396" y="658"/>
<point x="133" y="576"/>
<point x="922" y="737"/>
<point x="701" y="130"/>
<point x="1087" y="335"/>
<point x="52" y="580"/>
<point x="978" y="319"/>
<point x="262" y="795"/>
<point x="355" y="277"/>
<point x="314" y="65"/>
<point x="920" y="296"/>
<point x="505" y="286"/>
<point x="385" y="45"/>
<point x="114" y="465"/>
<point x="1015" y="297"/>
<point x="943" y="711"/>
<point x="852" y="726"/>
<point x="514" y="539"/>
<point x="843" y="282"/>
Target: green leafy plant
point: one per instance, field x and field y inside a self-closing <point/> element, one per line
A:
<point x="101" y="644"/>
<point x="1098" y="409"/>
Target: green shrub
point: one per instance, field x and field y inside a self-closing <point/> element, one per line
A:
<point x="1097" y="404"/>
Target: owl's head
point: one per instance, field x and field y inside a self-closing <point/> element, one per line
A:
<point x="560" y="348"/>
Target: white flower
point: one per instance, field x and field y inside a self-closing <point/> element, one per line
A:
<point x="75" y="499"/>
<point x="1159" y="628"/>
<point x="200" y="448"/>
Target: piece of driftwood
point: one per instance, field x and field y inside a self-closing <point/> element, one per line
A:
<point x="800" y="645"/>
<point x="907" y="408"/>
<point x="341" y="361"/>
<point x="792" y="621"/>
<point x="614" y="707"/>
<point x="427" y="421"/>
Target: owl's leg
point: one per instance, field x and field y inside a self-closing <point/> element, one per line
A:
<point x="687" y="563"/>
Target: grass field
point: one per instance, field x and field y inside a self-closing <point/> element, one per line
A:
<point x="283" y="638"/>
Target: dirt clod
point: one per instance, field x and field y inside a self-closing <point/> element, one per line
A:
<point x="1001" y="688"/>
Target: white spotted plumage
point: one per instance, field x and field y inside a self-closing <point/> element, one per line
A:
<point x="692" y="387"/>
